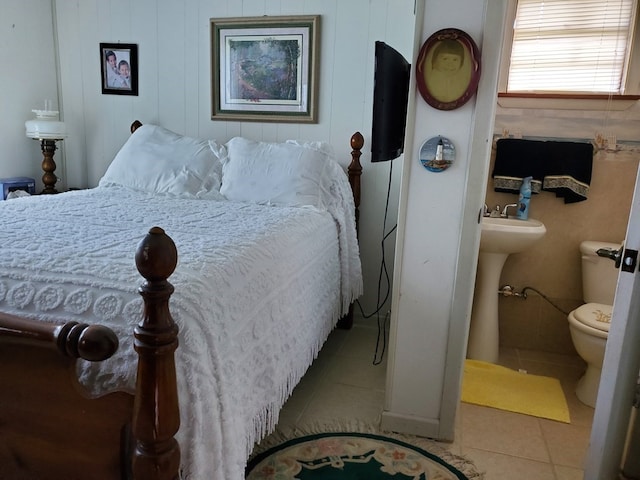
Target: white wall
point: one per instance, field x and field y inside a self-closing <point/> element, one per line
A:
<point x="173" y="41"/>
<point x="439" y="237"/>
<point x="27" y="54"/>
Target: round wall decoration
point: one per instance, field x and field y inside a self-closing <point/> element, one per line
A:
<point x="437" y="154"/>
<point x="448" y="69"/>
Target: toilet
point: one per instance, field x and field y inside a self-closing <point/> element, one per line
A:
<point x="589" y="323"/>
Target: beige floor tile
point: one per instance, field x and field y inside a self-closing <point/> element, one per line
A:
<point x="509" y="358"/>
<point x="289" y="416"/>
<point x="355" y="371"/>
<point x="301" y="395"/>
<point x="344" y="402"/>
<point x="314" y="375"/>
<point x="580" y="413"/>
<point x="335" y="340"/>
<point x="567" y="443"/>
<point x="568" y="473"/>
<point x="548" y="357"/>
<point x="568" y="374"/>
<point x="502" y="432"/>
<point x="497" y="466"/>
<point x="362" y="343"/>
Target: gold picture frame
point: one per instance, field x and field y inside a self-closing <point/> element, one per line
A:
<point x="265" y="68"/>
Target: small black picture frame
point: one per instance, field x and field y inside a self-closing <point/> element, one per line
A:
<point x="119" y="68"/>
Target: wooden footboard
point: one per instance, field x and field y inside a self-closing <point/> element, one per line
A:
<point x="50" y="429"/>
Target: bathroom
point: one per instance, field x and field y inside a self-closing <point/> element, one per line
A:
<point x="553" y="265"/>
<point x="534" y="332"/>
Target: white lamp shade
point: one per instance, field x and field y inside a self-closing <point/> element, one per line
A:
<point x="46" y="126"/>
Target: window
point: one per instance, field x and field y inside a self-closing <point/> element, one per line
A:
<point x="571" y="47"/>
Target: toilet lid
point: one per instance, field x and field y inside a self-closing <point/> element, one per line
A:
<point x="594" y="315"/>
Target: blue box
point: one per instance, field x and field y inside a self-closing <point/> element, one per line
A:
<point x="17" y="183"/>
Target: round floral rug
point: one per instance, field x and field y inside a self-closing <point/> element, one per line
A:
<point x="349" y="456"/>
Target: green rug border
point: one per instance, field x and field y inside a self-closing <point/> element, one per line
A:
<point x="305" y="438"/>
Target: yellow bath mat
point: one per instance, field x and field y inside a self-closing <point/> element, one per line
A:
<point x="499" y="387"/>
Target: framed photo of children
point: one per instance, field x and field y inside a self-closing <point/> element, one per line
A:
<point x="448" y="69"/>
<point x="264" y="68"/>
<point x="119" y="68"/>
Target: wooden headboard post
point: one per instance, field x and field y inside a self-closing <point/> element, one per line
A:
<point x="156" y="415"/>
<point x="135" y="125"/>
<point x="355" y="171"/>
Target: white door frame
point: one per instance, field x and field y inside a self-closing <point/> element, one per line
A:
<point x="621" y="366"/>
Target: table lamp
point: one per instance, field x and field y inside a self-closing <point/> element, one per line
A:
<point x="48" y="129"/>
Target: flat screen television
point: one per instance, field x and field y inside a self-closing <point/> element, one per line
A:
<point x="390" y="98"/>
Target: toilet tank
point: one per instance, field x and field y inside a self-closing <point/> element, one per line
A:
<point x="599" y="274"/>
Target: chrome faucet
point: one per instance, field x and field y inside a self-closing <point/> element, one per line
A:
<point x="495" y="212"/>
<point x="504" y="213"/>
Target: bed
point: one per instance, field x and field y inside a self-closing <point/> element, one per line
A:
<point x="107" y="376"/>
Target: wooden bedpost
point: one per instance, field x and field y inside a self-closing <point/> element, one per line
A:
<point x="156" y="415"/>
<point x="355" y="171"/>
<point x="135" y="125"/>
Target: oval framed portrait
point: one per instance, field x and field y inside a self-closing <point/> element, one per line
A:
<point x="448" y="69"/>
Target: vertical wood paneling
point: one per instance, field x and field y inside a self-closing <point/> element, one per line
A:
<point x="194" y="25"/>
<point x="171" y="65"/>
<point x="175" y="77"/>
<point x="147" y="30"/>
<point x="291" y="7"/>
<point x="117" y="30"/>
<point x="208" y="128"/>
<point x="381" y="23"/>
<point x="71" y="68"/>
<point x="256" y="8"/>
<point x="28" y="56"/>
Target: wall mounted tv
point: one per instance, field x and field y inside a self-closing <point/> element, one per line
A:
<point x="390" y="98"/>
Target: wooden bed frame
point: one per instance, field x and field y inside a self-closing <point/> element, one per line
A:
<point x="50" y="428"/>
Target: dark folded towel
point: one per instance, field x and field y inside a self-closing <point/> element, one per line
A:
<point x="560" y="167"/>
<point x="517" y="159"/>
<point x="569" y="170"/>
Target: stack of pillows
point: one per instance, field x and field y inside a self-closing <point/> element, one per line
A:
<point x="159" y="161"/>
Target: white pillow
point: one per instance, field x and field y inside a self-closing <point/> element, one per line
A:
<point x="158" y="160"/>
<point x="318" y="145"/>
<point x="276" y="173"/>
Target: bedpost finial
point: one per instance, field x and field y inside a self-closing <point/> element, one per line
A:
<point x="357" y="141"/>
<point x="89" y="342"/>
<point x="156" y="255"/>
<point x="135" y="125"/>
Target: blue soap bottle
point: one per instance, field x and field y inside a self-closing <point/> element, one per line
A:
<point x="523" y="199"/>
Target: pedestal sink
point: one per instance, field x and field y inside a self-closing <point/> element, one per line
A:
<point x="499" y="238"/>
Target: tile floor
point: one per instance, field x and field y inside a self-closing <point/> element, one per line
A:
<point x="344" y="383"/>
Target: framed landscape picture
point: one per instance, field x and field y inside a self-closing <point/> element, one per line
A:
<point x="264" y="68"/>
<point x="119" y="68"/>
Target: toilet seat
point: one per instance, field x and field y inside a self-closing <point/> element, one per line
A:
<point x="594" y="315"/>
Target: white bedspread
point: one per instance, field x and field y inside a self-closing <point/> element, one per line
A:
<point x="257" y="290"/>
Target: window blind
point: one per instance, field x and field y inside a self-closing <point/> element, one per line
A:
<point x="570" y="46"/>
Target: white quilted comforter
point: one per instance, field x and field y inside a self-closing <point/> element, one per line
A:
<point x="257" y="290"/>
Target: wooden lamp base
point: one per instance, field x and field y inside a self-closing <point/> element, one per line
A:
<point x="49" y="178"/>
